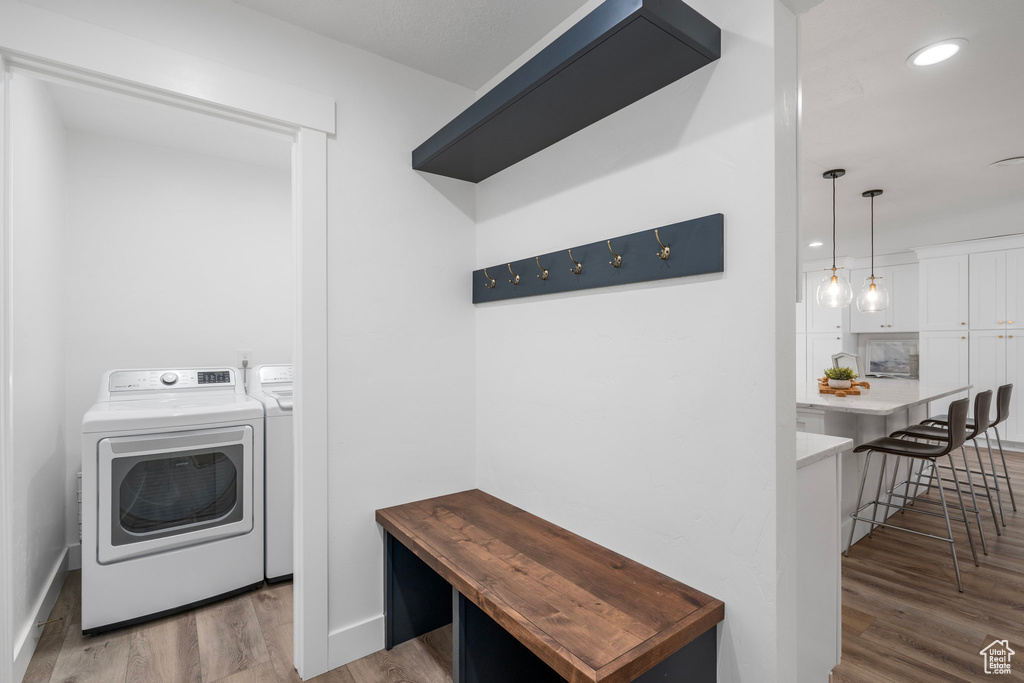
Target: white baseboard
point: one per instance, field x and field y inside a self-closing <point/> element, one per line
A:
<point x="74" y="557"/>
<point x="351" y="643"/>
<point x="29" y="634"/>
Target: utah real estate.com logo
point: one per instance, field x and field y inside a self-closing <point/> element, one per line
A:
<point x="997" y="657"/>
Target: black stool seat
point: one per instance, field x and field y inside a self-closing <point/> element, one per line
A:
<point x="911" y="449"/>
<point x="928" y="432"/>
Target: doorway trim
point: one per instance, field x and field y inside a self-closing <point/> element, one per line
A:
<point x="96" y="57"/>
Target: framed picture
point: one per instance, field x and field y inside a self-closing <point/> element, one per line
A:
<point x="890" y="358"/>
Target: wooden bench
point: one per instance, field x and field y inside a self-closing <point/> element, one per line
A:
<point x="513" y="584"/>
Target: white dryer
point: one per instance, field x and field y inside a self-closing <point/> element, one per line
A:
<point x="172" y="505"/>
<point x="271" y="385"/>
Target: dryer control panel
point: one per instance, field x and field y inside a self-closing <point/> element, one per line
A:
<point x="275" y="374"/>
<point x="162" y="380"/>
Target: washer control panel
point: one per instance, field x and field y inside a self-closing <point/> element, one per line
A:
<point x="155" y="380"/>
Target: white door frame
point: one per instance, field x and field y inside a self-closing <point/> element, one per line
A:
<point x="246" y="98"/>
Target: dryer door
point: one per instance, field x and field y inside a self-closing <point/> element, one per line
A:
<point x="158" y="492"/>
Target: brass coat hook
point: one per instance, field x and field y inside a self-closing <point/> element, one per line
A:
<point x="664" y="251"/>
<point x="578" y="267"/>
<point x="515" y="278"/>
<point x="490" y="280"/>
<point x="543" y="271"/>
<point x="616" y="261"/>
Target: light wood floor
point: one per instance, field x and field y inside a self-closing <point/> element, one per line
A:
<point x="903" y="622"/>
<point x="246" y="639"/>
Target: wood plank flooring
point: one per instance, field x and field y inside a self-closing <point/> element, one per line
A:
<point x="246" y="639"/>
<point x="903" y="622"/>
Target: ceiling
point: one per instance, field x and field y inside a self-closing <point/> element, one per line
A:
<point x="86" y="109"/>
<point x="926" y="136"/>
<point x="463" y="41"/>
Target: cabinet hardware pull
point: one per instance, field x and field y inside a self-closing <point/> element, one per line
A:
<point x="963" y="323"/>
<point x="963" y="337"/>
<point x="1000" y="336"/>
<point x="1000" y="322"/>
<point x="490" y="280"/>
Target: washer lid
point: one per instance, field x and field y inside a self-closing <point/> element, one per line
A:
<point x="182" y="411"/>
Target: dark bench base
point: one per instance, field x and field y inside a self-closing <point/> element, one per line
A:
<point x="417" y="601"/>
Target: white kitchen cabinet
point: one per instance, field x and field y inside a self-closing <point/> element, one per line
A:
<point x="997" y="358"/>
<point x="820" y="319"/>
<point x="988" y="360"/>
<point x="988" y="290"/>
<point x="1014" y="430"/>
<point x="820" y="348"/>
<point x="1015" y="289"/>
<point x="903" y="312"/>
<point x="945" y="359"/>
<point x="944" y="301"/>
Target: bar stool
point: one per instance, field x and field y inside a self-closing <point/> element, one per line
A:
<point x="956" y="418"/>
<point x="982" y="410"/>
<point x="1003" y="396"/>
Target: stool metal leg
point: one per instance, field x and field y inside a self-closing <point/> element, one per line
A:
<point x="1006" y="472"/>
<point x="995" y="477"/>
<point x="984" y="481"/>
<point x="949" y="529"/>
<point x="878" y="494"/>
<point x="963" y="508"/>
<point x="974" y="498"/>
<point x="860" y="496"/>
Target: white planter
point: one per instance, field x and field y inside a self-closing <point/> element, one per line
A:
<point x="839" y="383"/>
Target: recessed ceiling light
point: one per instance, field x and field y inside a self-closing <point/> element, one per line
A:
<point x="1012" y="161"/>
<point x="814" y="244"/>
<point x="936" y="52"/>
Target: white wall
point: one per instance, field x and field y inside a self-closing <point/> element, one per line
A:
<point x="620" y="413"/>
<point x="175" y="260"/>
<point x="401" y="245"/>
<point x="39" y="175"/>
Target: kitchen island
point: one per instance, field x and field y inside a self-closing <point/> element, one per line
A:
<point x="889" y="404"/>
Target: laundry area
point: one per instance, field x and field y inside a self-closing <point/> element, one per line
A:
<point x="153" y="273"/>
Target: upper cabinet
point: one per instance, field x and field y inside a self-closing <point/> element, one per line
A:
<point x="943" y="291"/>
<point x="902" y="313"/>
<point x="988" y="290"/>
<point x="996" y="289"/>
<point x="620" y="53"/>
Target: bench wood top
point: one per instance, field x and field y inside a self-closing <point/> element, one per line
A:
<point x="589" y="613"/>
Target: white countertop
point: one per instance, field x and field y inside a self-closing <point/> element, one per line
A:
<point x="885" y="397"/>
<point x="812" y="448"/>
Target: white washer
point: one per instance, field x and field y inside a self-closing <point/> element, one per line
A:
<point x="271" y="385"/>
<point x="170" y="463"/>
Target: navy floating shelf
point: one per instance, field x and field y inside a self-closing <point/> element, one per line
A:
<point x="621" y="52"/>
<point x="694" y="247"/>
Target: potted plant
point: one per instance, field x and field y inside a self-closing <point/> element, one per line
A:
<point x="840" y="378"/>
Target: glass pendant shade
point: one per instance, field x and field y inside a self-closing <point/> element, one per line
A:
<point x="834" y="291"/>
<point x="873" y="298"/>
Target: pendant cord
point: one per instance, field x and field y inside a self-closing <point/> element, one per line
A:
<point x="872" y="239"/>
<point x="834" y="225"/>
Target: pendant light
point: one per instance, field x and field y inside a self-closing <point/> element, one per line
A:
<point x="873" y="298"/>
<point x="834" y="291"/>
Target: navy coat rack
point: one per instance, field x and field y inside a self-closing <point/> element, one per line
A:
<point x="693" y="247"/>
